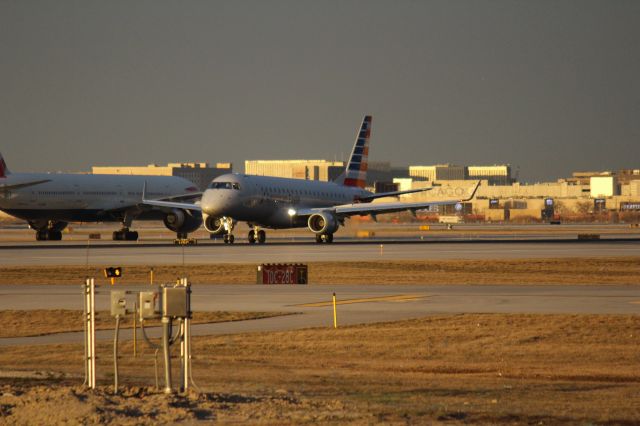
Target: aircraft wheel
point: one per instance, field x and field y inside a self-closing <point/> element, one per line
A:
<point x="231" y="238"/>
<point x="262" y="236"/>
<point x="117" y="235"/>
<point x="318" y="238"/>
<point x="131" y="235"/>
<point x="252" y="237"/>
<point x="327" y="238"/>
<point x="55" y="235"/>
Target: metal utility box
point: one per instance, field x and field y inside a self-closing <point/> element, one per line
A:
<point x="282" y="274"/>
<point x="176" y="302"/>
<point x="118" y="303"/>
<point x="149" y="303"/>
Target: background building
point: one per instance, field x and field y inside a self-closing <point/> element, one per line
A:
<point x="201" y="174"/>
<point x="297" y="169"/>
<point x="439" y="172"/>
<point x="494" y="175"/>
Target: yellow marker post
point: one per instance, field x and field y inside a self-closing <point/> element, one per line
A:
<point x="335" y="313"/>
<point x="151" y="277"/>
<point x="113" y="280"/>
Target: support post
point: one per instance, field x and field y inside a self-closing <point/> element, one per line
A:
<point x="135" y="330"/>
<point x="166" y="330"/>
<point x="335" y="312"/>
<point x="90" y="329"/>
<point x="115" y="356"/>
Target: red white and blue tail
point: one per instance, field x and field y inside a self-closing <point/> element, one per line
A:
<point x="356" y="172"/>
<point x="4" y="171"/>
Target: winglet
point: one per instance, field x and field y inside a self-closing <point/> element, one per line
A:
<point x="4" y="171"/>
<point x="144" y="191"/>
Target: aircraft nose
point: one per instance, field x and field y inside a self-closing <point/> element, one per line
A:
<point x="216" y="202"/>
<point x="211" y="202"/>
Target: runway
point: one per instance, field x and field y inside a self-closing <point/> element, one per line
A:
<point x="359" y="304"/>
<point x="132" y="254"/>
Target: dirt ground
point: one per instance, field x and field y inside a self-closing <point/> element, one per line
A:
<point x="41" y="321"/>
<point x="453" y="369"/>
<point x="580" y="270"/>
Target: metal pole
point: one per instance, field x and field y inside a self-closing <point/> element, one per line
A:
<point x="187" y="353"/>
<point x="135" y="330"/>
<point x="85" y="321"/>
<point x="182" y="354"/>
<point x="115" y="355"/>
<point x="92" y="333"/>
<point x="166" y="324"/>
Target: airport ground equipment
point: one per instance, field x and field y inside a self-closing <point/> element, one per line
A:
<point x="282" y="273"/>
<point x="175" y="303"/>
<point x="185" y="241"/>
<point x="169" y="303"/>
<point x="112" y="273"/>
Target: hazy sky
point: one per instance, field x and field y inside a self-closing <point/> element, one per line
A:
<point x="547" y="86"/>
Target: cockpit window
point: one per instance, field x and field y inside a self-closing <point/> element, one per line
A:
<point x="225" y="185"/>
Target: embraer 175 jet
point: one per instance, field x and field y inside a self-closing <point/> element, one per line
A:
<point x="48" y="202"/>
<point x="279" y="203"/>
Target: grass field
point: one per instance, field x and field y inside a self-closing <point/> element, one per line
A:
<point x="598" y="270"/>
<point x="486" y="369"/>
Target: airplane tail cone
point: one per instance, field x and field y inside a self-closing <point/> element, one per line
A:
<point x="4" y="171"/>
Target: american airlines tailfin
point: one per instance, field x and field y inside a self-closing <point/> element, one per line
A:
<point x="4" y="171"/>
<point x="356" y="172"/>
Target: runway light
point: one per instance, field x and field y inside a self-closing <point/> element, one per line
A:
<point x="291" y="212"/>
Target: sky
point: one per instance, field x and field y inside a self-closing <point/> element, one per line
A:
<point x="550" y="87"/>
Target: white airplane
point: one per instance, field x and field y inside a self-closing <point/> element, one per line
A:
<point x="279" y="203"/>
<point x="49" y="201"/>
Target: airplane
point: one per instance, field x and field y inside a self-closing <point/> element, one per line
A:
<point x="282" y="203"/>
<point x="49" y="201"/>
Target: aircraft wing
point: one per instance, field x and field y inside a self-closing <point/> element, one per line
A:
<point x="172" y="205"/>
<point x="167" y="203"/>
<point x="393" y="194"/>
<point x="362" y="209"/>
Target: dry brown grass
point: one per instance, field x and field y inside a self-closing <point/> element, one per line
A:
<point x="41" y="321"/>
<point x="599" y="270"/>
<point x="490" y="368"/>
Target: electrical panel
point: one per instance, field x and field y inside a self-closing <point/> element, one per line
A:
<point x="118" y="303"/>
<point x="149" y="304"/>
<point x="176" y="302"/>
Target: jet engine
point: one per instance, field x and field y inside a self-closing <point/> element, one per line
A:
<point x="214" y="225"/>
<point x="323" y="223"/>
<point x="183" y="221"/>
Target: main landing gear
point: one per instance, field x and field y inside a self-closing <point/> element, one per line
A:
<point x="229" y="238"/>
<point x="324" y="238"/>
<point x="48" y="235"/>
<point x="258" y="236"/>
<point x="125" y="235"/>
<point x="48" y="230"/>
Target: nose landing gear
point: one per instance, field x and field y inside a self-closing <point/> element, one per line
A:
<point x="324" y="238"/>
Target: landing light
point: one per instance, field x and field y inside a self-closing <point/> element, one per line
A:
<point x="291" y="212"/>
